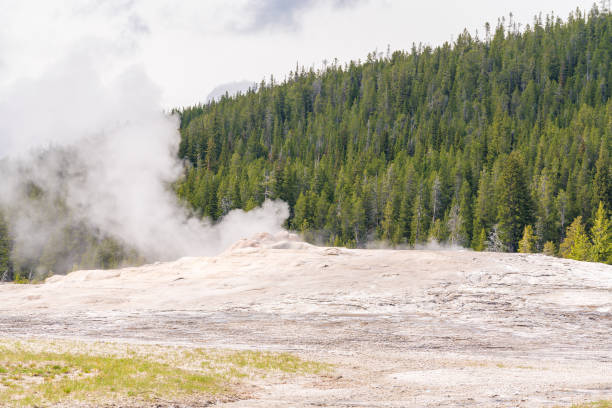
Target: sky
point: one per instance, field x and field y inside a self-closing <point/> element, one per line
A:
<point x="188" y="48"/>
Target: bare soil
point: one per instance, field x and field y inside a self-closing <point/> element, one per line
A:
<point x="402" y="328"/>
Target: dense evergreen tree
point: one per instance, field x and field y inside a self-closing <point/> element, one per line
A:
<point x="602" y="182"/>
<point x="467" y="143"/>
<point x="576" y="244"/>
<point x="514" y="203"/>
<point x="527" y="244"/>
<point x="601" y="235"/>
<point x="549" y="248"/>
<point x="596" y="246"/>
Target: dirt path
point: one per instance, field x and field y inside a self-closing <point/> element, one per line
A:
<point x="404" y="328"/>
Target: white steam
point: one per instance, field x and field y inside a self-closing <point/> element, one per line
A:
<point x="107" y="151"/>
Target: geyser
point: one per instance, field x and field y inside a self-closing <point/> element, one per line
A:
<point x="80" y="150"/>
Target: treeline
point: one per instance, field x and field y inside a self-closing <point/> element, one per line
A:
<point x="70" y="247"/>
<point x="467" y="143"/>
<point x="595" y="246"/>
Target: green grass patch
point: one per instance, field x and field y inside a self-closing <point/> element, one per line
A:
<point x="44" y="373"/>
<point x="596" y="404"/>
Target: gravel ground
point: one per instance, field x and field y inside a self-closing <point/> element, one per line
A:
<point x="403" y="328"/>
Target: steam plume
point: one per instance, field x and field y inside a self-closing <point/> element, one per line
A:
<point x="104" y="154"/>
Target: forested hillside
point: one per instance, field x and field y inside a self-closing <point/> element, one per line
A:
<point x="467" y="143"/>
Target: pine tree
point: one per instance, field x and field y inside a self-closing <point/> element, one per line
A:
<point x="300" y="217"/>
<point x="358" y="221"/>
<point x="436" y="197"/>
<point x="514" y="203"/>
<point x="527" y="245"/>
<point x="456" y="225"/>
<point x="549" y="248"/>
<point x="438" y="232"/>
<point x="390" y="219"/>
<point x="602" y="182"/>
<point x="485" y="210"/>
<point x="576" y="244"/>
<point x="418" y="226"/>
<point x="480" y="242"/>
<point x="465" y="215"/>
<point x="601" y="235"/>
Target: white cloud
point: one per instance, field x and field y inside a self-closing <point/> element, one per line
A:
<point x="189" y="47"/>
<point x="279" y="14"/>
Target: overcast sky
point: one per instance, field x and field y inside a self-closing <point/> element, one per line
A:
<point x="189" y="47"/>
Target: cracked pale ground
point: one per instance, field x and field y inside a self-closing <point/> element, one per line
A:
<point x="402" y="328"/>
